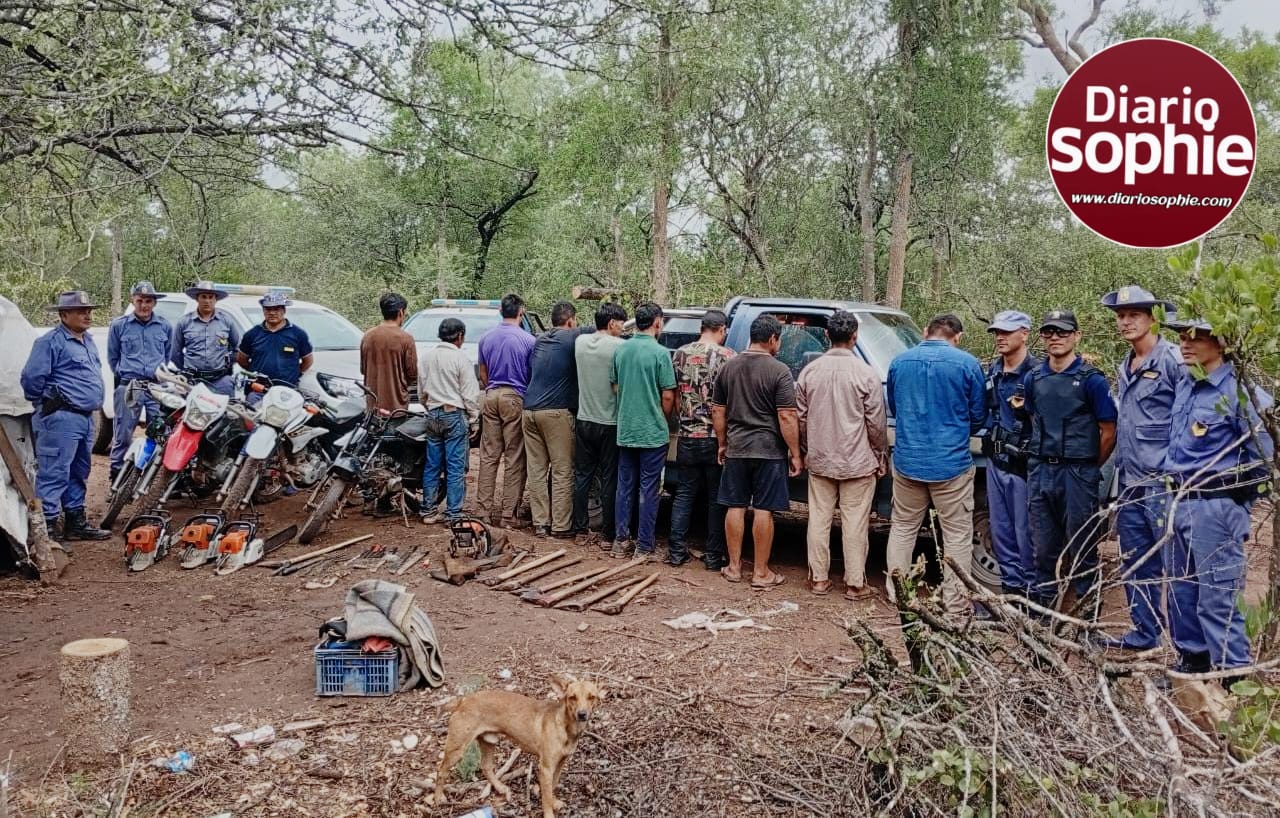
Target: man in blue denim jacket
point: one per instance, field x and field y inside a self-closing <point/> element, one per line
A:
<point x="137" y="345"/>
<point x="937" y="396"/>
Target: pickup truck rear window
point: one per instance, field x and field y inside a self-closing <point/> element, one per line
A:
<point x="883" y="336"/>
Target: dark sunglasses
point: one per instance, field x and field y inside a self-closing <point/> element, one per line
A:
<point x="1057" y="333"/>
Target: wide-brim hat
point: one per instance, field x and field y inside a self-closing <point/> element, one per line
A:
<point x="72" y="300"/>
<point x="205" y="286"/>
<point x="275" y="299"/>
<point x="1134" y="297"/>
<point x="1189" y="325"/>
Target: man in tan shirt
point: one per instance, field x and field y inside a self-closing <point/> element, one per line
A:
<point x="842" y="419"/>
<point x="389" y="357"/>
<point x="451" y="394"/>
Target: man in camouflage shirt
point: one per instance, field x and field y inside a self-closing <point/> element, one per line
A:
<point x="696" y="365"/>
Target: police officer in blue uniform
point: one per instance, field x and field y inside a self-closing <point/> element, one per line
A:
<point x="1073" y="430"/>
<point x="137" y="345"/>
<point x="1147" y="379"/>
<point x="276" y="347"/>
<point x="63" y="379"/>
<point x="205" y="341"/>
<point x="1005" y="445"/>
<point x="1216" y="470"/>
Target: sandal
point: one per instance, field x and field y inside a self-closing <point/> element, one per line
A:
<point x="724" y="572"/>
<point x="821" y="588"/>
<point x="774" y="579"/>
<point x="860" y="593"/>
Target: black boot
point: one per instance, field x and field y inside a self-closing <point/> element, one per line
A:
<point x="78" y="527"/>
<point x="55" y="528"/>
<point x="1193" y="662"/>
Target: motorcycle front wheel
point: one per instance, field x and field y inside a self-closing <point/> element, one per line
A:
<point x="240" y="488"/>
<point x="122" y="495"/>
<point x="324" y="510"/>
<point x="163" y="477"/>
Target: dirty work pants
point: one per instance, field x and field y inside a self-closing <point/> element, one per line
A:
<point x="853" y="497"/>
<point x="1010" y="529"/>
<point x="1141" y="523"/>
<point x="953" y="501"/>
<point x="548" y="451"/>
<point x="1062" y="502"/>
<point x="129" y="410"/>
<point x="501" y="438"/>
<point x="447" y="448"/>
<point x="64" y="442"/>
<point x="699" y="470"/>
<point x="1205" y="564"/>
<point x="639" y="470"/>
<point x="595" y="451"/>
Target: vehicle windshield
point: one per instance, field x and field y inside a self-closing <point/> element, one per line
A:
<point x="326" y="329"/>
<point x="426" y="326"/>
<point x="171" y="309"/>
<point x="680" y="330"/>
<point x="883" y="336"/>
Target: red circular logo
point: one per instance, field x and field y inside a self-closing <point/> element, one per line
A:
<point x="1151" y="143"/>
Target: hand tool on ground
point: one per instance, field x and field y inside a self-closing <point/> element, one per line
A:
<point x="528" y="566"/>
<point x="546" y="601"/>
<point x="365" y="554"/>
<point x="526" y="591"/>
<point x="326" y="550"/>
<point x="411" y="560"/>
<point x="457" y="571"/>
<point x="373" y="559"/>
<point x="147" y="538"/>
<point x="48" y="557"/>
<point x="582" y="603"/>
<point x="199" y="539"/>
<point x="615" y="607"/>
<point x="515" y="583"/>
<point x="491" y="573"/>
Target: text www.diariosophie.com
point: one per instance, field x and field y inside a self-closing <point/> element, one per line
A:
<point x="1180" y="200"/>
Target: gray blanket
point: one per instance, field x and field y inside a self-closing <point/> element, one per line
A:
<point x="377" y="608"/>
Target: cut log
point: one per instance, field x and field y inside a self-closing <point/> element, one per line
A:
<point x="96" y="690"/>
<point x="596" y="293"/>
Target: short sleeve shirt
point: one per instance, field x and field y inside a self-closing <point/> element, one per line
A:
<point x="505" y="351"/>
<point x="697" y="365"/>
<point x="752" y="388"/>
<point x="642" y="370"/>
<point x="279" y="354"/>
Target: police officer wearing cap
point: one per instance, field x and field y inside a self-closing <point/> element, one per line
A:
<point x="1073" y="430"/>
<point x="1005" y="445"/>
<point x="63" y="379"/>
<point x="1147" y="379"/>
<point x="204" y="342"/>
<point x="137" y="345"/>
<point x="276" y="348"/>
<point x="1216" y="468"/>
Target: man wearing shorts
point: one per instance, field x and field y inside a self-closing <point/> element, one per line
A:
<point x="753" y="408"/>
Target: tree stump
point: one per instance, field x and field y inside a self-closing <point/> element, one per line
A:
<point x="95" y="697"/>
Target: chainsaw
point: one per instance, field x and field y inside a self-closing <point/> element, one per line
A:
<point x="471" y="539"/>
<point x="198" y="540"/>
<point x="239" y="545"/>
<point x="147" y="539"/>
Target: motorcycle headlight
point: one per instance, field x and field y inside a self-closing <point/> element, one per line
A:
<point x="276" y="416"/>
<point x="339" y="387"/>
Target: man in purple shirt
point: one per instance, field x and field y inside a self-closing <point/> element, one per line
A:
<point x="504" y="373"/>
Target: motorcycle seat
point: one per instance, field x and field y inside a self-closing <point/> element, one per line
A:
<point x="413" y="428"/>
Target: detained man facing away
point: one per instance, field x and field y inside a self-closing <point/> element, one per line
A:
<point x="451" y="394"/>
<point x="595" y="431"/>
<point x="389" y="357"/>
<point x="842" y="419"/>
<point x="937" y="396"/>
<point x="504" y="353"/>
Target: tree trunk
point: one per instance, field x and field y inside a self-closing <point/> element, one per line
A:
<point x="442" y="253"/>
<point x="117" y="270"/>
<point x="941" y="260"/>
<point x="96" y="689"/>
<point x="866" y="212"/>
<point x="619" y="256"/>
<point x="662" y="165"/>
<point x="897" y="275"/>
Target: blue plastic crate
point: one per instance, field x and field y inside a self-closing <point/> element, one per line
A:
<point x="342" y="670"/>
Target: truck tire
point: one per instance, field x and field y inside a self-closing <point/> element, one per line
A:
<point x="240" y="488"/>
<point x="984" y="567"/>
<point x="323" y="513"/>
<point x="103" y="431"/>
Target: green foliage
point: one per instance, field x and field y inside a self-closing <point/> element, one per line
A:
<point x="962" y="779"/>
<point x="1255" y="722"/>
<point x="1241" y="301"/>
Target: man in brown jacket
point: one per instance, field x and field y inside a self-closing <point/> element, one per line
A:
<point x="842" y="419"/>
<point x="389" y="357"/>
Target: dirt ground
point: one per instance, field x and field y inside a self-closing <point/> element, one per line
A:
<point x="693" y="722"/>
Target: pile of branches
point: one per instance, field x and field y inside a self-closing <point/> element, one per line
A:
<point x="1022" y="715"/>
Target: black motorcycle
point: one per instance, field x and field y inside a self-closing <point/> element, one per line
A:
<point x="383" y="457"/>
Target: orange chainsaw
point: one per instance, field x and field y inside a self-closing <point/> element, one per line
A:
<point x="147" y="539"/>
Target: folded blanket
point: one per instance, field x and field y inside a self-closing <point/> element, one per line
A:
<point x="377" y="608"/>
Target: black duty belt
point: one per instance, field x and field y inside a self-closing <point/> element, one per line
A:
<point x="209" y="374"/>
<point x="1065" y="461"/>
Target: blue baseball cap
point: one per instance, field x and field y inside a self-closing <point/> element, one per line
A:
<point x="1008" y="321"/>
<point x="1134" y="297"/>
<point x="275" y="299"/>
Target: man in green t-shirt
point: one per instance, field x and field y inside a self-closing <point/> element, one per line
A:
<point x="595" y="432"/>
<point x="646" y="384"/>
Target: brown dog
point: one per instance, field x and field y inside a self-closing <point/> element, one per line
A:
<point x="548" y="729"/>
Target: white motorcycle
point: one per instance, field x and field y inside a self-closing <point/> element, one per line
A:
<point x="282" y="451"/>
